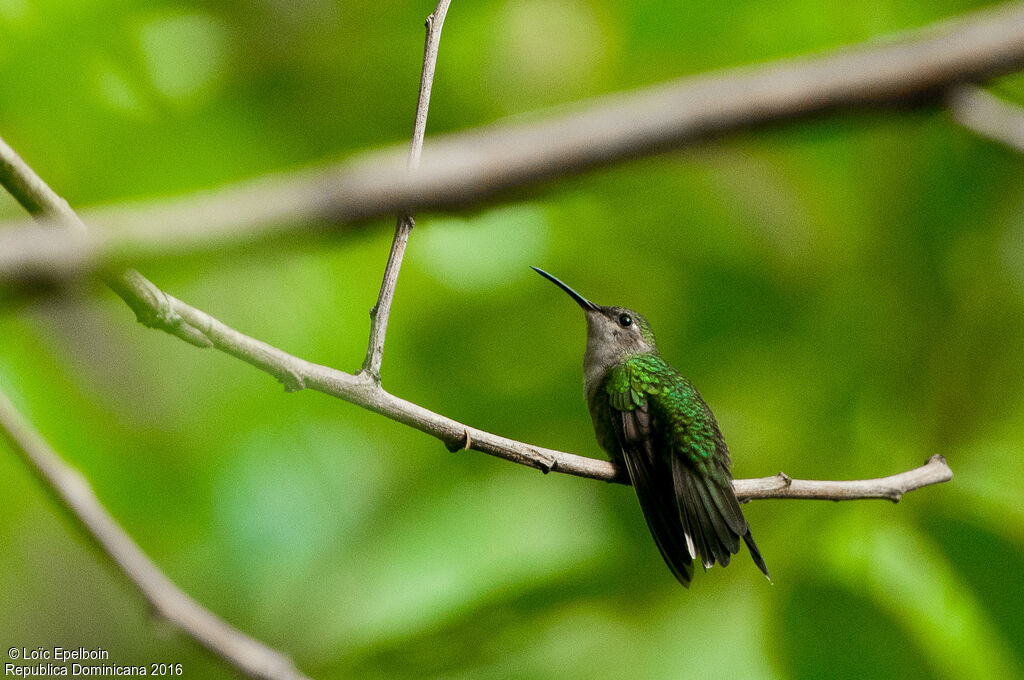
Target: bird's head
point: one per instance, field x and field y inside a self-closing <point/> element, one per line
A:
<point x="611" y="331"/>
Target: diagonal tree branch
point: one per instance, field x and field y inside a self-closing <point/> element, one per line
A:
<point x="987" y="115"/>
<point x="73" y="492"/>
<point x="296" y="374"/>
<point x="382" y="310"/>
<point x="468" y="167"/>
<point x="43" y="203"/>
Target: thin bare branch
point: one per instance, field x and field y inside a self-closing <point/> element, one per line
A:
<point x="468" y="167"/>
<point x="76" y="496"/>
<point x="987" y="115"/>
<point x="934" y="471"/>
<point x="297" y="374"/>
<point x="363" y="391"/>
<point x="381" y="311"/>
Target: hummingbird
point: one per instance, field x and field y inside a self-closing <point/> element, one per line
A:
<point x="652" y="421"/>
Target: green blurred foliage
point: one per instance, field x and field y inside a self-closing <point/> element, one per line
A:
<point x="848" y="293"/>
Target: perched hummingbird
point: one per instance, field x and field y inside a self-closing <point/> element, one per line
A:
<point x="652" y="420"/>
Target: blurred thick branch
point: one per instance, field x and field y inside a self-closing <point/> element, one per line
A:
<point x="465" y="168"/>
<point x="75" y="494"/>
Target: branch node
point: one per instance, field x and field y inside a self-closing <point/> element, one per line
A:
<point x="545" y="463"/>
<point x="368" y="377"/>
<point x="154" y="309"/>
<point x="292" y="380"/>
<point x="463" y="443"/>
<point x="785" y="479"/>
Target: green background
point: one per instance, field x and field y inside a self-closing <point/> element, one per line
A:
<point x="847" y="293"/>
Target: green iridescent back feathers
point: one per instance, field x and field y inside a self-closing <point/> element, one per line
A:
<point x="669" y="441"/>
<point x="693" y="432"/>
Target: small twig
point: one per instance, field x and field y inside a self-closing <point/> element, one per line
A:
<point x="934" y="471"/>
<point x="76" y="496"/>
<point x="987" y="115"/>
<point x="468" y="167"/>
<point x="382" y="310"/>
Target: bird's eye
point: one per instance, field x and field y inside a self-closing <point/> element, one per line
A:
<point x="625" y="320"/>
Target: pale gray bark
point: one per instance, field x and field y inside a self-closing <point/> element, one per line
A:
<point x="465" y="168"/>
<point x="74" y="493"/>
<point x="381" y="311"/>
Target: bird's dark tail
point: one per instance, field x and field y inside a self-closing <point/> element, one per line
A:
<point x="711" y="518"/>
<point x="662" y="518"/>
<point x="755" y="554"/>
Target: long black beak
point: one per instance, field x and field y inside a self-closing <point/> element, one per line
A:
<point x="583" y="302"/>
